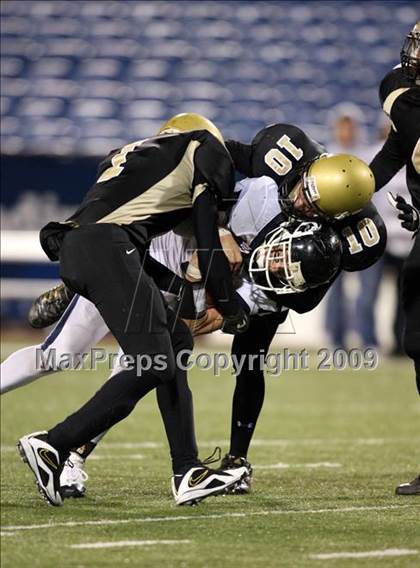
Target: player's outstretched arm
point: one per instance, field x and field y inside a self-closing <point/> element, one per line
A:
<point x="214" y="265"/>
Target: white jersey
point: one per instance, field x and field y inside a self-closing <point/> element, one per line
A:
<point x="256" y="206"/>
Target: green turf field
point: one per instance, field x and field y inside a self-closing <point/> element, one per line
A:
<point x="330" y="448"/>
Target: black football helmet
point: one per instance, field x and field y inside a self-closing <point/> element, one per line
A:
<point x="410" y="54"/>
<point x="295" y="256"/>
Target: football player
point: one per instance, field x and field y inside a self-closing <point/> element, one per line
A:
<point x="399" y="93"/>
<point x="258" y="224"/>
<point x="309" y="193"/>
<point x="144" y="189"/>
<point x="311" y="181"/>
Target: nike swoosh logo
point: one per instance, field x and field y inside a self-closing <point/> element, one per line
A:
<point x="193" y="482"/>
<point x="43" y="453"/>
<point x="130" y="251"/>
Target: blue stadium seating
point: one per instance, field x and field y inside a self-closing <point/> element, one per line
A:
<point x="83" y="76"/>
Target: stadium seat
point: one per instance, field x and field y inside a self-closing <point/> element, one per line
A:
<point x="242" y="64"/>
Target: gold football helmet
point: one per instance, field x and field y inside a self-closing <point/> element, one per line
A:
<point x="190" y="121"/>
<point x="337" y="185"/>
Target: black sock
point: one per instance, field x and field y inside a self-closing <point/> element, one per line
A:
<point x="248" y="399"/>
<point x="176" y="408"/>
<point x="111" y="403"/>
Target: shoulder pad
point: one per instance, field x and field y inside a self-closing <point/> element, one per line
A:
<point x="391" y="86"/>
<point x="269" y="140"/>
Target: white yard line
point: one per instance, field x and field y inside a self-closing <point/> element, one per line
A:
<point x="112" y="457"/>
<point x="124" y="543"/>
<point x="298" y="465"/>
<point x="255" y="443"/>
<point x="370" y="554"/>
<point x="141" y="520"/>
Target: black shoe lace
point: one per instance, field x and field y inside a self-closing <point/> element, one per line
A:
<point x="214" y="457"/>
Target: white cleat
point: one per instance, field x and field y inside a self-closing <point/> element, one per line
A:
<point x="44" y="462"/>
<point x="73" y="477"/>
<point x="201" y="482"/>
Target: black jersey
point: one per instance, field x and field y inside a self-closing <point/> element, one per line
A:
<point x="279" y="151"/>
<point x="149" y="187"/>
<point x="400" y="99"/>
<point x="155" y="181"/>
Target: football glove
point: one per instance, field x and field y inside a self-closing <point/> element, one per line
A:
<point x="407" y="213"/>
<point x="49" y="306"/>
<point x="237" y="323"/>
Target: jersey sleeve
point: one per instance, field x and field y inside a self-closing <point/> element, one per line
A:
<point x="212" y="261"/>
<point x="213" y="169"/>
<point x="363" y="237"/>
<point x="388" y="161"/>
<point x="241" y="156"/>
<point x="257" y="302"/>
<point x="305" y="301"/>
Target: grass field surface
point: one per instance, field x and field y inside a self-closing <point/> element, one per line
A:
<point x="329" y="450"/>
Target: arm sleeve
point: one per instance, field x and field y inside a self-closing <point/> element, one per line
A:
<point x="241" y="155"/>
<point x="212" y="261"/>
<point x="305" y="301"/>
<point x="165" y="279"/>
<point x="388" y="161"/>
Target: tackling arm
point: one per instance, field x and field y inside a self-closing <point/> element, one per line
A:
<point x="241" y="156"/>
<point x="212" y="261"/>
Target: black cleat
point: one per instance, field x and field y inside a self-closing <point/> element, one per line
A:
<point x="411" y="488"/>
<point x="230" y="463"/>
<point x="50" y="306"/>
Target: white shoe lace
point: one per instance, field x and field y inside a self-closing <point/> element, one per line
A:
<point x="73" y="472"/>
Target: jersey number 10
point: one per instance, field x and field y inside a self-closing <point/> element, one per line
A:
<point x="368" y="233"/>
<point x="278" y="161"/>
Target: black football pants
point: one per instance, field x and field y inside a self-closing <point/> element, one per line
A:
<point x="411" y="305"/>
<point x="101" y="263"/>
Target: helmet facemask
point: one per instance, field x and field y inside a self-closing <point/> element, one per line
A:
<point x="410" y="54"/>
<point x="272" y="266"/>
